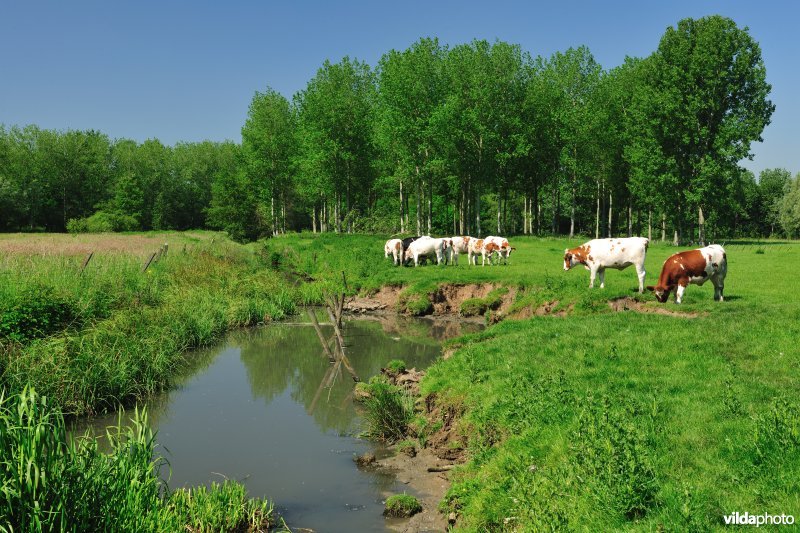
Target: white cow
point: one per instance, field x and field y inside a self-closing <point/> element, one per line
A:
<point x="393" y="247"/>
<point x="599" y="254"/>
<point x="460" y="246"/>
<point x="427" y="247"/>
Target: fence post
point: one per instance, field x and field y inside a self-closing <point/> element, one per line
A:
<point x="86" y="262"/>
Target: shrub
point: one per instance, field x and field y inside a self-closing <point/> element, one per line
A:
<point x="402" y="506"/>
<point x="38" y="313"/>
<point x="103" y="222"/>
<point x="396" y="366"/>
<point x="389" y="410"/>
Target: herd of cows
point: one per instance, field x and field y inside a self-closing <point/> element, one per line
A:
<point x="679" y="270"/>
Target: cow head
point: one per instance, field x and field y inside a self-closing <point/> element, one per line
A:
<point x="661" y="293"/>
<point x="569" y="259"/>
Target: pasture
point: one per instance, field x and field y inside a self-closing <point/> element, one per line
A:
<point x="592" y="416"/>
<point x="602" y="419"/>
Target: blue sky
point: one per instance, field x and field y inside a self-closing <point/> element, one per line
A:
<point x="186" y="71"/>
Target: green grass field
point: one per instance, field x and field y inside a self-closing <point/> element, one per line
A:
<point x="596" y="420"/>
<point x="607" y="420"/>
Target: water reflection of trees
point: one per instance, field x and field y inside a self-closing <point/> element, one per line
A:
<point x="282" y="356"/>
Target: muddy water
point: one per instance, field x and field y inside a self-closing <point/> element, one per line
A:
<point x="255" y="410"/>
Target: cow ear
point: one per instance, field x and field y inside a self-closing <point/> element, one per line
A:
<point x="566" y="250"/>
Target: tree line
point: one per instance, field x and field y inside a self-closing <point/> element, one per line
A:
<point x="471" y="139"/>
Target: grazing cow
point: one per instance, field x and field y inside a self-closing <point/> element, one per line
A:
<point x="460" y="246"/>
<point x="504" y="248"/>
<point x="426" y="247"/>
<point x="406" y="242"/>
<point x="395" y="248"/>
<point x="692" y="266"/>
<point x="484" y="249"/>
<point x="599" y="254"/>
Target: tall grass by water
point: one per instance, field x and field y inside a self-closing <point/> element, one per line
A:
<point x="52" y="481"/>
<point x="111" y="333"/>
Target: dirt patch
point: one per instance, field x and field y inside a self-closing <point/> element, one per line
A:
<point x="445" y="300"/>
<point x="626" y="303"/>
<point x="385" y="299"/>
<point x="545" y="309"/>
<point x="428" y="486"/>
<point x="426" y="472"/>
<point x="407" y="379"/>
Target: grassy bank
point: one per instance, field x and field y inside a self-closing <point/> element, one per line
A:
<point x="52" y="482"/>
<point x="600" y="419"/>
<point x="108" y="334"/>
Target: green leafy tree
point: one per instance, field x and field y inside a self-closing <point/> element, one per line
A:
<point x="709" y="104"/>
<point x="410" y="89"/>
<point x="335" y="117"/>
<point x="268" y="145"/>
<point x="789" y="211"/>
<point x="772" y="186"/>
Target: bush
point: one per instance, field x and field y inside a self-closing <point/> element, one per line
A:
<point x="388" y="412"/>
<point x="402" y="506"/>
<point x="38" y="313"/>
<point x="103" y="222"/>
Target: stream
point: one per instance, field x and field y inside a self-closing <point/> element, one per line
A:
<point x="254" y="409"/>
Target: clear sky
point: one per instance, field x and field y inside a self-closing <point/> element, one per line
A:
<point x="186" y="71"/>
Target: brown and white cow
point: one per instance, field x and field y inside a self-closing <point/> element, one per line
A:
<point x="394" y="247"/>
<point x="599" y="254"/>
<point x="692" y="267"/>
<point x="460" y="246"/>
<point x="484" y="249"/>
<point x="504" y="248"/>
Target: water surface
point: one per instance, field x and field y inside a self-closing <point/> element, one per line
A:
<point x="257" y="410"/>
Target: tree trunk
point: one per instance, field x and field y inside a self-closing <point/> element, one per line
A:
<point x="402" y="222"/>
<point x="419" y="206"/>
<point x="314" y="219"/>
<point x="498" y="215"/>
<point x="597" y="214"/>
<point x="650" y="225"/>
<point x="572" y="210"/>
<point x="630" y="218"/>
<point x="478" y="212"/>
<point x="610" y="212"/>
<point x="430" y="205"/>
<point x="701" y="236"/>
<point x="663" y="227"/>
<point x="525" y="215"/>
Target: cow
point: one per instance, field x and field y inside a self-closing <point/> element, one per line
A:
<point x="599" y="254"/>
<point x="460" y="246"/>
<point x="394" y="247"/>
<point x="505" y="248"/>
<point x="406" y="242"/>
<point x="692" y="266"/>
<point x="426" y="247"/>
<point x="484" y="249"/>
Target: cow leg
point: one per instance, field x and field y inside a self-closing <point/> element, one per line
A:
<point x="679" y="293"/>
<point x="592" y="274"/>
<point x="719" y="286"/>
<point x="640" y="273"/>
<point x="602" y="273"/>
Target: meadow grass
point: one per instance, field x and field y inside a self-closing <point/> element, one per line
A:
<point x="112" y="334"/>
<point x="603" y="420"/>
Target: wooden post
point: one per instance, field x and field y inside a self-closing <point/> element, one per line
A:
<point x="86" y="262"/>
<point x="147" y="263"/>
